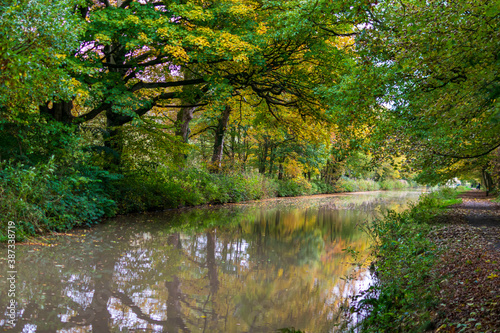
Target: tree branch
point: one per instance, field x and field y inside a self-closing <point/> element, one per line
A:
<point x="203" y="130"/>
<point x="126" y="3"/>
<point x="157" y="61"/>
<point x="350" y="34"/>
<point x="92" y="114"/>
<point x="468" y="156"/>
<point x="183" y="106"/>
<point x="151" y="85"/>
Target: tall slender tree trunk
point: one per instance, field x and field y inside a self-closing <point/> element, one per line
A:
<point x="185" y="114"/>
<point x="263" y="157"/>
<point x="233" y="147"/>
<point x="280" y="171"/>
<point x="487" y="181"/>
<point x="219" y="139"/>
<point x="271" y="160"/>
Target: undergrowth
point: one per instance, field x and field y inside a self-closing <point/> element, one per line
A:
<point x="190" y="187"/>
<point x="404" y="294"/>
<point x="47" y="197"/>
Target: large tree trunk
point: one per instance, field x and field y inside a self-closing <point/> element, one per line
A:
<point x="113" y="140"/>
<point x="184" y="117"/>
<point x="60" y="111"/>
<point x="219" y="139"/>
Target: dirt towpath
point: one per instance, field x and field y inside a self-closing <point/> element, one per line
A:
<point x="480" y="211"/>
<point x="469" y="268"/>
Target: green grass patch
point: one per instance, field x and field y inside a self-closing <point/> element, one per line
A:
<point x="450" y="202"/>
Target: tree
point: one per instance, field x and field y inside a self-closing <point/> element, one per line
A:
<point x="35" y="37"/>
<point x="430" y="71"/>
<point x="131" y="55"/>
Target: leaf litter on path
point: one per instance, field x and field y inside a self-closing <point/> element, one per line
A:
<point x="469" y="267"/>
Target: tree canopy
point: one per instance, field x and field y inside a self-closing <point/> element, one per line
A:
<point x="35" y="40"/>
<point x="268" y="84"/>
<point x="432" y="72"/>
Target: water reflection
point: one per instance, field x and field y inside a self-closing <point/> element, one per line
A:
<point x="239" y="268"/>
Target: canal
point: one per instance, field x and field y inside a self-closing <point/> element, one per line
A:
<point x="254" y="267"/>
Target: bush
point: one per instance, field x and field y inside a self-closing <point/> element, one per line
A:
<point x="356" y="185"/>
<point x="345" y="184"/>
<point x="394" y="184"/>
<point x="176" y="188"/>
<point x="295" y="187"/>
<point x="42" y="198"/>
<point x="322" y="187"/>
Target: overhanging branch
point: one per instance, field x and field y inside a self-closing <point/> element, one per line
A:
<point x="464" y="157"/>
<point x="151" y="85"/>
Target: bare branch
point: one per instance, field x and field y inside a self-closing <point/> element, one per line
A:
<point x="125" y="3"/>
<point x="94" y="113"/>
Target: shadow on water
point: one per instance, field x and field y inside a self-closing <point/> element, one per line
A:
<point x="241" y="268"/>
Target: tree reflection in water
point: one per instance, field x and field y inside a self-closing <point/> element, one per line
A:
<point x="238" y="268"/>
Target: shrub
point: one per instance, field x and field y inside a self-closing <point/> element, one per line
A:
<point x="167" y="188"/>
<point x="322" y="187"/>
<point x="355" y="185"/>
<point x="295" y="187"/>
<point x="345" y="184"/>
<point x="42" y="198"/>
<point x="394" y="184"/>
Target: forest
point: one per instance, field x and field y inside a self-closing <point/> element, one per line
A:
<point x="109" y="107"/>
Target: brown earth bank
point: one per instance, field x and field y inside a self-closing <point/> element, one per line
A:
<point x="469" y="266"/>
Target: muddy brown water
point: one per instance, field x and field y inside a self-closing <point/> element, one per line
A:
<point x="254" y="267"/>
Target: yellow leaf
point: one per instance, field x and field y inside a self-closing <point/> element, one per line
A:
<point x="177" y="52"/>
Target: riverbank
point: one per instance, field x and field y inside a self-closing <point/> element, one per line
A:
<point x="48" y="198"/>
<point x="438" y="267"/>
